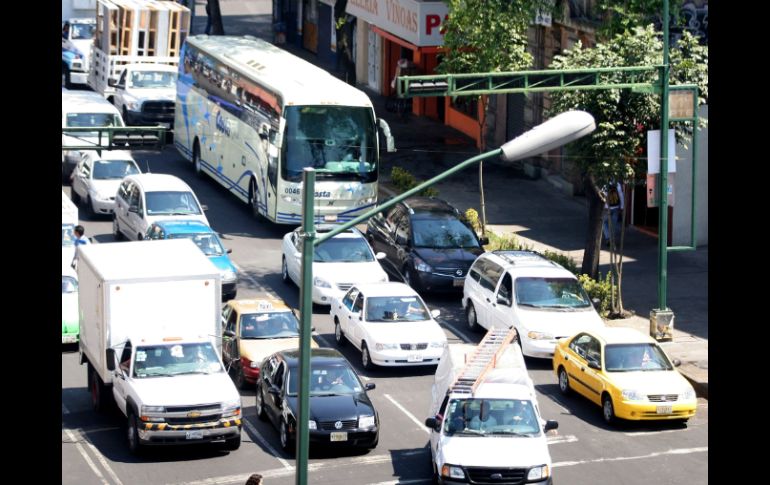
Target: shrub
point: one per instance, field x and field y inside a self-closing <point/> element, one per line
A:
<point x="471" y="217"/>
<point x="563" y="260"/>
<point x="601" y="289"/>
<point x="404" y="180"/>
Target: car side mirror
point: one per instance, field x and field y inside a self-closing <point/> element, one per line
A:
<point x="503" y="300"/>
<point x="594" y="365"/>
<point x="380" y="255"/>
<point x="110" y="359"/>
<point x="435" y="313"/>
<point x="550" y="424"/>
<point x="134" y="209"/>
<point x="360" y="314"/>
<point x="369" y="386"/>
<point x="112" y="83"/>
<point x="484" y="240"/>
<point x="676" y="362"/>
<point x="204" y="207"/>
<point x="229" y="333"/>
<point x="229" y="251"/>
<point x="596" y="302"/>
<point x="433" y="423"/>
<point x="401" y="240"/>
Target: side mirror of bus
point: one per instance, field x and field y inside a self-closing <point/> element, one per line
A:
<point x="264" y="131"/>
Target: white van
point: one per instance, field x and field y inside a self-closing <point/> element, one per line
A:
<point x="485" y="424"/>
<point x="83" y="109"/>
<point x="151" y="197"/>
<point x="522" y="289"/>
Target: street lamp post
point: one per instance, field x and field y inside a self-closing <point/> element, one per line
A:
<point x="555" y="132"/>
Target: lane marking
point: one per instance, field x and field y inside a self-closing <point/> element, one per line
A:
<point x="677" y="451"/>
<point x="408" y="414"/>
<point x="101" y="459"/>
<point x="555" y="440"/>
<point x="85" y="456"/>
<point x="263" y="442"/>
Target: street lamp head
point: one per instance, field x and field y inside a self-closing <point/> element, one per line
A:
<point x="554" y="133"/>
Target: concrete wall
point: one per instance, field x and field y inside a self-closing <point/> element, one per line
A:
<point x="683" y="191"/>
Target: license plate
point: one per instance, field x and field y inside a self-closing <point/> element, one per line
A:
<point x="414" y="358"/>
<point x="460" y="282"/>
<point x="665" y="409"/>
<point x="342" y="436"/>
<point x="194" y="435"/>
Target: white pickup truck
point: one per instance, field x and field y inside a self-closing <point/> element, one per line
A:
<point x="145" y="94"/>
<point x="151" y="336"/>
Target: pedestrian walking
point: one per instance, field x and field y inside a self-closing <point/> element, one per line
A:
<point x="613" y="209"/>
<point x="80" y="240"/>
<point x="208" y="19"/>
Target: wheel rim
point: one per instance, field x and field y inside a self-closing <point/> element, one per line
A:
<point x="284" y="270"/>
<point x="253" y="196"/>
<point x="608" y="411"/>
<point x="284" y="436"/>
<point x="259" y="402"/>
<point x="563" y="385"/>
<point x="337" y="332"/>
<point x="471" y="317"/>
<point x="365" y="356"/>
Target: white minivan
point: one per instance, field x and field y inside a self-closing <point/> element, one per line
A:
<point x="523" y="289"/>
<point x="151" y="197"/>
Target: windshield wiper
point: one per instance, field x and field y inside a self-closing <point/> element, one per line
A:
<point x="192" y="372"/>
<point x="531" y="305"/>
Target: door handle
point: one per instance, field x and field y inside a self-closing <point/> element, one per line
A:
<point x="582" y="369"/>
<point x="566" y="357"/>
<point x="489" y="301"/>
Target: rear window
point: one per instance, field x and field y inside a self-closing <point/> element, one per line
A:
<point x="95" y="120"/>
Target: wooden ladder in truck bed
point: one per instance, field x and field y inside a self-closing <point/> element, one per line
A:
<point x="482" y="360"/>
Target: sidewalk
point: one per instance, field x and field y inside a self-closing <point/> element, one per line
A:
<point x="538" y="213"/>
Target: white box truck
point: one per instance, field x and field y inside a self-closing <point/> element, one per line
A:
<point x="151" y="336"/>
<point x="485" y="424"/>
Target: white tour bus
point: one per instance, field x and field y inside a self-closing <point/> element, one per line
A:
<point x="253" y="116"/>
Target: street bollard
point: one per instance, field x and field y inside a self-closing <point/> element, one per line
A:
<point x="662" y="325"/>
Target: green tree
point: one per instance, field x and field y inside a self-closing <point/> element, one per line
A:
<point x="622" y="120"/>
<point x="619" y="16"/>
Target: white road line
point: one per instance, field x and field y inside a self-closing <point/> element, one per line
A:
<point x="408" y="414"/>
<point x="555" y="440"/>
<point x="645" y="433"/>
<point x="264" y="443"/>
<point x="101" y="459"/>
<point x="677" y="451"/>
<point x="85" y="456"/>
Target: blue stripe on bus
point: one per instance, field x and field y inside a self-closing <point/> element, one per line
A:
<point x="233" y="185"/>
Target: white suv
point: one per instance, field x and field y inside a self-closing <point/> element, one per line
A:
<point x="522" y="289"/>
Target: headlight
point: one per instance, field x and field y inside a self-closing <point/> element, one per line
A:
<point x="232" y="408"/>
<point x="633" y="395"/>
<point x="311" y="424"/>
<point x="365" y="421"/>
<point x="133" y="105"/>
<point x="538" y="473"/>
<point x="452" y="471"/>
<point x="437" y="345"/>
<point x="688" y="394"/>
<point x="148" y="410"/>
<point x="539" y="335"/>
<point x="253" y="364"/>
<point x="379" y="346"/>
<point x="228" y="275"/>
<point x="321" y="283"/>
<point x="421" y="265"/>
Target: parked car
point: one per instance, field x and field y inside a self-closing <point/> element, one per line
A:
<point x="425" y="241"/>
<point x="254" y="329"/>
<point x="151" y="197"/>
<point x="390" y="324"/>
<point x="96" y="178"/>
<point x="70" y="318"/>
<point x="207" y="241"/>
<point x="625" y="372"/>
<point x="522" y="289"/>
<point x="338" y="263"/>
<point x="341" y="412"/>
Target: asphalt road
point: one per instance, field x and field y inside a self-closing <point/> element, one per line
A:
<point x="585" y="450"/>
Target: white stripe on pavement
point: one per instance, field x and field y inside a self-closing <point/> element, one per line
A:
<point x="85" y="456"/>
<point x="555" y="440"/>
<point x="645" y="433"/>
<point x="677" y="451"/>
<point x="264" y="443"/>
<point x="101" y="459"/>
<point x="408" y="414"/>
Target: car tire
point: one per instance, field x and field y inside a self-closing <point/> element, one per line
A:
<point x="140" y="236"/>
<point x="338" y="335"/>
<point x="116" y="228"/>
<point x="286" y="443"/>
<point x="608" y="410"/>
<point x="232" y="444"/>
<point x="472" y="318"/>
<point x="564" y="381"/>
<point x="90" y="207"/>
<point x="408" y="278"/>
<point x="125" y="116"/>
<point x="97" y="390"/>
<point x="65" y="76"/>
<point x="366" y="358"/>
<point x="254" y="201"/>
<point x="134" y="443"/>
<point x="239" y="379"/>
<point x="261" y="414"/>
<point x="285" y="271"/>
<point x="74" y="196"/>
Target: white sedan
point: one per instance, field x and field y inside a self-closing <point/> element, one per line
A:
<point x="338" y="263"/>
<point x="390" y="324"/>
<point x="96" y="179"/>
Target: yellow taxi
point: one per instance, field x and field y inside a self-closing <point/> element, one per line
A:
<point x="625" y="372"/>
<point x="252" y="329"/>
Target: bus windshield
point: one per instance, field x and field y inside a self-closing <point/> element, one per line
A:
<point x="340" y="142"/>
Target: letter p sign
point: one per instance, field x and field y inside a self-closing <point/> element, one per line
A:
<point x="431" y="21"/>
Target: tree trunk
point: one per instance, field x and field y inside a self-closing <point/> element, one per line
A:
<point x="216" y="18"/>
<point x="594" y="236"/>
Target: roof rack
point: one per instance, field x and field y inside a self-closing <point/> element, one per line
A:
<point x="482" y="360"/>
<point x="515" y="257"/>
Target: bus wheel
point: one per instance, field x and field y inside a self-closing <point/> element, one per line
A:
<point x="253" y="202"/>
<point x="197" y="158"/>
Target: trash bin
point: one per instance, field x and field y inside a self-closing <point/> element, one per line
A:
<point x="662" y="325"/>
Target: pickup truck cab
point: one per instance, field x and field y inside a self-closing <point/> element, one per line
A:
<point x="145" y="94"/>
<point x="77" y="38"/>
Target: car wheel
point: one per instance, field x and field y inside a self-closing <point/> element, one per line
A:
<point x="286" y="444"/>
<point x="125" y="116"/>
<point x="232" y="444"/>
<point x="284" y="271"/>
<point x="407" y="277"/>
<point x="74" y="196"/>
<point x="134" y="444"/>
<point x="366" y="359"/>
<point x="240" y="379"/>
<point x="116" y="229"/>
<point x="254" y="201"/>
<point x="197" y="158"/>
<point x="260" y="405"/>
<point x="140" y="237"/>
<point x="338" y="335"/>
<point x="473" y="322"/>
<point x="563" y="381"/>
<point x="90" y="206"/>
<point x="99" y="399"/>
<point x="65" y="76"/>
<point x="608" y="410"/>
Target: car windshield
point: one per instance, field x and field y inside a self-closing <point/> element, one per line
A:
<point x="176" y="359"/>
<point x="152" y="79"/>
<point x="635" y="357"/>
<point x="82" y="31"/>
<point x="327" y="379"/>
<point x="550" y="293"/>
<point x="69" y="284"/>
<point x="67" y="236"/>
<point x="343" y="250"/>
<point x="171" y="203"/>
<point x="396" y="309"/>
<point x="113" y="169"/>
<point x="269" y="325"/>
<point x="443" y="231"/>
<point x="484" y="417"/>
<point x="92" y="120"/>
<point x="208" y="242"/>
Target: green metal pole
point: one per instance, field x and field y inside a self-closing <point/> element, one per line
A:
<point x="306" y="315"/>
<point x="693" y="235"/>
<point x="663" y="189"/>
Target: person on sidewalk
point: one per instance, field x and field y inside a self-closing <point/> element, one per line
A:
<point x="613" y="208"/>
<point x="208" y="19"/>
<point x="80" y="240"/>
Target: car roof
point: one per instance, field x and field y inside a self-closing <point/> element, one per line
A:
<point x="429" y="204"/>
<point x="620" y="335"/>
<point x="159" y="181"/>
<point x="351" y="232"/>
<point x="259" y="303"/>
<point x="184" y="226"/>
<point x="527" y="263"/>
<point x="86" y="102"/>
<point x="151" y="67"/>
<point x="390" y="288"/>
<point x="109" y="155"/>
<point x="317" y="355"/>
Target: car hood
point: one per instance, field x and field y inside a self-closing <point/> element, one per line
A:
<point x="106" y="188"/>
<point x="352" y="273"/>
<point x="450" y="257"/>
<point x="153" y="94"/>
<point x="153" y="218"/>
<point x="407" y="332"/>
<point x="83" y="46"/>
<point x="186" y="390"/>
<point x="650" y="382"/>
<point x="559" y="323"/>
<point x="333" y="408"/>
<point x="222" y="262"/>
<point x="494" y="451"/>
<point x="256" y="350"/>
<point x="69" y="313"/>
